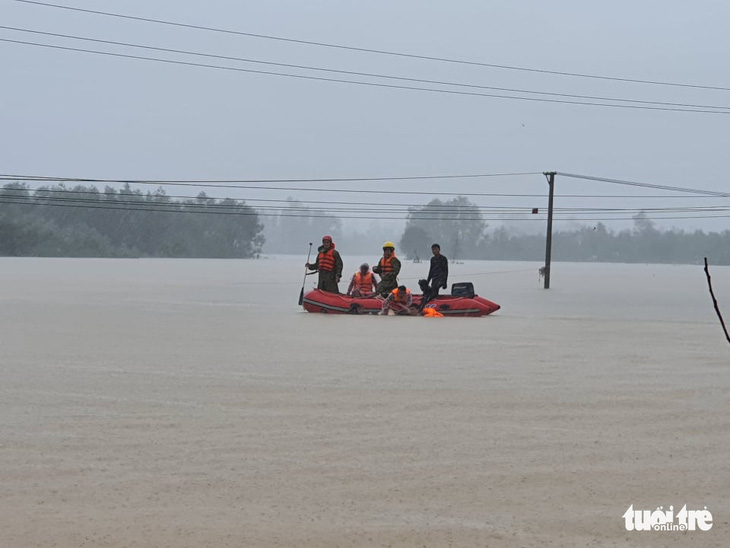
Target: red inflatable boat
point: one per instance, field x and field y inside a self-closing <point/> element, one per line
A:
<point x="466" y="304"/>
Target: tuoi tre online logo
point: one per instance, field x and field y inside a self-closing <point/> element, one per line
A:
<point x="661" y="520"/>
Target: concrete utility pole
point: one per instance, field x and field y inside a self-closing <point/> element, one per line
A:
<point x="549" y="241"/>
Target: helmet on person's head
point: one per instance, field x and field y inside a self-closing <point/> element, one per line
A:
<point x="401" y="288"/>
<point x="390" y="245"/>
<point x="326" y="239"/>
<point x="365" y="266"/>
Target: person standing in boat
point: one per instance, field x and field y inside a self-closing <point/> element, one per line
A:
<point x="438" y="276"/>
<point x="329" y="265"/>
<point x="363" y="282"/>
<point x="399" y="301"/>
<point x="388" y="267"/>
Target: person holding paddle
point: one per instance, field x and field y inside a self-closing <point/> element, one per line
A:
<point x="329" y="265"/>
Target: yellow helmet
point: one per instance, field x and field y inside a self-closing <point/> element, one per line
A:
<point x="389" y="244"/>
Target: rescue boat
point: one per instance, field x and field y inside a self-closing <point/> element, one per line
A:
<point x="462" y="302"/>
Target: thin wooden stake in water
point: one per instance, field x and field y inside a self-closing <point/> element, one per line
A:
<point x="714" y="301"/>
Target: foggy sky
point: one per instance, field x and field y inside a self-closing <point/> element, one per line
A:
<point x="74" y="114"/>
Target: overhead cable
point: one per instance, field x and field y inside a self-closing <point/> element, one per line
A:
<point x="258" y="187"/>
<point x="72" y="196"/>
<point x="341" y="202"/>
<point x="645" y="185"/>
<point x="362" y="83"/>
<point x="365" y="74"/>
<point x="252" y="212"/>
<point x="378" y="51"/>
<point x="198" y="182"/>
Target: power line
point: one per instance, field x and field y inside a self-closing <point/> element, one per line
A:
<point x="260" y="187"/>
<point x="457" y="212"/>
<point x="378" y="51"/>
<point x="359" y="83"/>
<point x="219" y="183"/>
<point x="646" y="185"/>
<point x="315" y="189"/>
<point x="181" y="208"/>
<point x="340" y="202"/>
<point x="315" y="203"/>
<point x="416" y="212"/>
<point x="380" y="208"/>
<point x="198" y="182"/>
<point x="147" y="205"/>
<point x="365" y="74"/>
<point x="254" y="213"/>
<point x="202" y="184"/>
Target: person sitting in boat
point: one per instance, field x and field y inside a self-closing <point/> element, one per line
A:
<point x="363" y="282"/>
<point x="399" y="301"/>
<point x="438" y="275"/>
<point x="329" y="265"/>
<point x="388" y="267"/>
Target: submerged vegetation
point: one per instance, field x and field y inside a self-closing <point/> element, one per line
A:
<point x="83" y="221"/>
<point x="459" y="227"/>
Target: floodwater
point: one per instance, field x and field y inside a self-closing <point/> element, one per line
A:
<point x="192" y="403"/>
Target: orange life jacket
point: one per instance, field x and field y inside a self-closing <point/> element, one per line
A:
<point x="386" y="265"/>
<point x="364" y="283"/>
<point x="401" y="298"/>
<point x="432" y="313"/>
<point x="326" y="260"/>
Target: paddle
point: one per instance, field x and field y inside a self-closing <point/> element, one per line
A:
<point x="301" y="293"/>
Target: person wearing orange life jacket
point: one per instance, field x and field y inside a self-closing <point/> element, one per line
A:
<point x="388" y="268"/>
<point x="363" y="282"/>
<point x="399" y="301"/>
<point x="329" y="265"/>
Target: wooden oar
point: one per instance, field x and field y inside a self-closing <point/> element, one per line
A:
<point x="301" y="293"/>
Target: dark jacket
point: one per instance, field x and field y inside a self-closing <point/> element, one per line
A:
<point x="439" y="271"/>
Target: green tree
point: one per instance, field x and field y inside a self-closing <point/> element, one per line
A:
<point x="416" y="242"/>
<point x="81" y="221"/>
<point x="456" y="225"/>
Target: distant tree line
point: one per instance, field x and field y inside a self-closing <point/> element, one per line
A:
<point x="456" y="225"/>
<point x="289" y="227"/>
<point x="84" y="222"/>
<point x="463" y="234"/>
